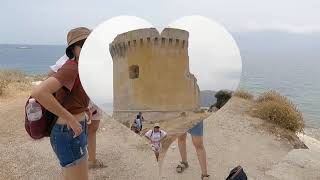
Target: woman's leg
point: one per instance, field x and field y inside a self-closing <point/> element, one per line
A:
<point x="92" y="131"/>
<point x="201" y="153"/>
<point x="77" y="172"/>
<point x="183" y="147"/>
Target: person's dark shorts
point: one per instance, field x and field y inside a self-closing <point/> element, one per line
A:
<point x="197" y="130"/>
<point x="70" y="151"/>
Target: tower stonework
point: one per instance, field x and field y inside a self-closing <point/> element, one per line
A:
<point x="151" y="72"/>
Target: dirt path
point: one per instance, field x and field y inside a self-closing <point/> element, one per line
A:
<point x="231" y="138"/>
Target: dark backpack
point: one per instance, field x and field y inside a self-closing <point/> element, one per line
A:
<point x="42" y="125"/>
<point x="237" y="173"/>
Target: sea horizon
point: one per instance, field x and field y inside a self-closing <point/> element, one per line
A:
<point x="263" y="70"/>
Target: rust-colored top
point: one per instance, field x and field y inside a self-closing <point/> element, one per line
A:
<point x="77" y="101"/>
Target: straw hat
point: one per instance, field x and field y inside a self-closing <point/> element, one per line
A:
<point x="75" y="35"/>
<point x="156" y="125"/>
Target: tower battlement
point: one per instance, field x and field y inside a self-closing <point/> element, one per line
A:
<point x="175" y="39"/>
<point x="151" y="71"/>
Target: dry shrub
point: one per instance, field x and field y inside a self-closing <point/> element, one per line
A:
<point x="280" y="110"/>
<point x="244" y="94"/>
<point x="10" y="76"/>
<point x="272" y="96"/>
<point x="3" y="85"/>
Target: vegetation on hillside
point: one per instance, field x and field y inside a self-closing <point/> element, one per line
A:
<point x="244" y="94"/>
<point x="278" y="109"/>
<point x="223" y="97"/>
<point x="15" y="81"/>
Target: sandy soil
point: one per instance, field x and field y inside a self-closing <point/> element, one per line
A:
<point x="231" y="138"/>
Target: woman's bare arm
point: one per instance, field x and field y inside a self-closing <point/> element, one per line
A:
<point x="43" y="93"/>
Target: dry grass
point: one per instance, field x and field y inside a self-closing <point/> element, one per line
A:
<point x="3" y="85"/>
<point x="13" y="81"/>
<point x="271" y="96"/>
<point x="280" y="110"/>
<point x="9" y="76"/>
<point x="244" y="94"/>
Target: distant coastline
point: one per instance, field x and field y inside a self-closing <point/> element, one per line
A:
<point x="266" y="65"/>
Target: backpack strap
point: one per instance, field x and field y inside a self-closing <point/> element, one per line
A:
<point x="152" y="133"/>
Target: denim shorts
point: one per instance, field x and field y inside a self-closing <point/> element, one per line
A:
<point x="69" y="150"/>
<point x="197" y="130"/>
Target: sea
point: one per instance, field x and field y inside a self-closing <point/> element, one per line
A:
<point x="294" y="74"/>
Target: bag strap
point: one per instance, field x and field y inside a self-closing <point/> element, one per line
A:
<point x="152" y="133"/>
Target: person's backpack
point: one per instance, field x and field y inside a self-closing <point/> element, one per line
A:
<point x="38" y="120"/>
<point x="237" y="173"/>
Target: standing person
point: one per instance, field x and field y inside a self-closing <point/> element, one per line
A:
<point x="96" y="116"/>
<point x="69" y="135"/>
<point x="137" y="123"/>
<point x="155" y="136"/>
<point x="197" y="139"/>
<point x="139" y="116"/>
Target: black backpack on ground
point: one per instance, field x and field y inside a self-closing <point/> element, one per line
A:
<point x="237" y="173"/>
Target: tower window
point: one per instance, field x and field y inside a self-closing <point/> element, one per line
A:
<point x="134" y="72"/>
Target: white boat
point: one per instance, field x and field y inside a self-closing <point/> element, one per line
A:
<point x="23" y="47"/>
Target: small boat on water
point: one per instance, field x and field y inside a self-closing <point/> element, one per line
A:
<point x="23" y="47"/>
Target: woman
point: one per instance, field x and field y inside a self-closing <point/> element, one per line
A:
<point x="155" y="136"/>
<point x="96" y="115"/>
<point x="69" y="134"/>
<point x="196" y="133"/>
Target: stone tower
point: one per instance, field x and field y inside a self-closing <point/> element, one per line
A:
<point x="151" y="72"/>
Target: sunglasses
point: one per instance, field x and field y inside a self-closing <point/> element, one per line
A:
<point x="80" y="43"/>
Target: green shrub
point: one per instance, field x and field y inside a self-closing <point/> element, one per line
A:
<point x="223" y="97"/>
<point x="244" y="94"/>
<point x="273" y="107"/>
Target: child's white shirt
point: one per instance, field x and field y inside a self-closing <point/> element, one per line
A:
<point x="155" y="136"/>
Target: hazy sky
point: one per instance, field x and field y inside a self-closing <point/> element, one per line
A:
<point x="47" y="22"/>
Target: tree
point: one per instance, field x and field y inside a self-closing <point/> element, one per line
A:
<point x="223" y="97"/>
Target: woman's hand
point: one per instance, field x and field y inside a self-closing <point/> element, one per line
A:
<point x="76" y="127"/>
<point x="89" y="113"/>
